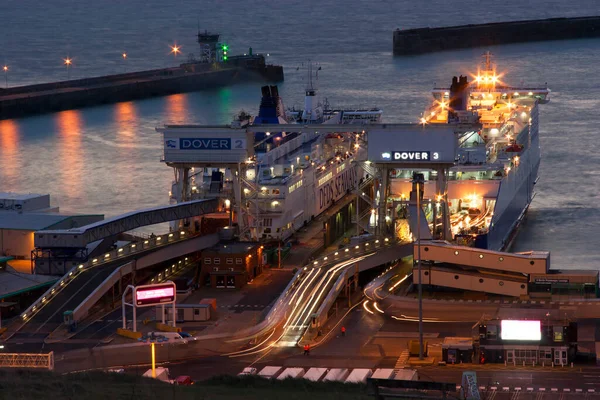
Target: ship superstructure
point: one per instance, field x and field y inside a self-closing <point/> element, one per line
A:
<point x="291" y="176"/>
<point x="498" y="155"/>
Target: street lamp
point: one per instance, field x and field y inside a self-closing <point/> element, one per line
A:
<point x="124" y="55"/>
<point x="68" y="62"/>
<point x="228" y="208"/>
<point x="152" y="339"/>
<point x="175" y="49"/>
<point x="419" y="180"/>
<point x="5" y="69"/>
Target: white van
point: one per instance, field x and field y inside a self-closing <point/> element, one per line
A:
<point x="174" y="337"/>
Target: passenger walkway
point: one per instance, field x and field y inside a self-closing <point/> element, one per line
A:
<point x="46" y="314"/>
<point x="81" y="237"/>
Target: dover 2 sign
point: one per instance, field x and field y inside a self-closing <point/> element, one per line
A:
<point x="150" y="295"/>
<point x="205" y="144"/>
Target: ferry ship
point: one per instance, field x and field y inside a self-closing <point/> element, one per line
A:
<point x="294" y="177"/>
<point x="491" y="185"/>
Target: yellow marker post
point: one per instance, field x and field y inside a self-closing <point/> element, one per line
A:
<point x="153" y="361"/>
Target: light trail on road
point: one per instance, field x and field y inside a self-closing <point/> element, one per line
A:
<point x="324" y="284"/>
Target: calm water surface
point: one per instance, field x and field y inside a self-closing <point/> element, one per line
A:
<point x="107" y="159"/>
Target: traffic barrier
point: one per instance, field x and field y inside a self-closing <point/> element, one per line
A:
<point x="167" y="328"/>
<point x="128" y="333"/>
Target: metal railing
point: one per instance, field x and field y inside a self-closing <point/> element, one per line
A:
<point x="27" y="360"/>
<point x="111" y="256"/>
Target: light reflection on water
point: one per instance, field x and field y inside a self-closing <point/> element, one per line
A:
<point x="107" y="159"/>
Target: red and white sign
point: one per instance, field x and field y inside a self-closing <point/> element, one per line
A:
<point x="149" y="295"/>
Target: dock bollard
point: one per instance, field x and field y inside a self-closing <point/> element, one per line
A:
<point x="505" y="363"/>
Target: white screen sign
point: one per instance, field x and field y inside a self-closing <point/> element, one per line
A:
<point x="520" y="330"/>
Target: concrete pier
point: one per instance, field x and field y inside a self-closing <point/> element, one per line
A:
<point x="427" y="40"/>
<point x="57" y="96"/>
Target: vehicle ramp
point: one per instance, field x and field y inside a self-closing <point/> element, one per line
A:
<point x="534" y="262"/>
<point x="82" y="309"/>
<point x="415" y="220"/>
<point x="46" y="313"/>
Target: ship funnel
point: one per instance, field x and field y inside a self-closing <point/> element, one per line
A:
<point x="459" y="93"/>
<point x="271" y="106"/>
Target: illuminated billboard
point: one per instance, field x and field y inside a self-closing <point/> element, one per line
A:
<point x="149" y="295"/>
<point x="520" y="330"/>
<point x="411" y="143"/>
<point x="197" y="144"/>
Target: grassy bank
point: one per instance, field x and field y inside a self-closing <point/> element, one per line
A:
<point x="21" y="385"/>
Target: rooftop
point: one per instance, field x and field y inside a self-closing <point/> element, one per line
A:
<point x="13" y="283"/>
<point x="19" y="196"/>
<point x="233" y="247"/>
<point x="31" y="221"/>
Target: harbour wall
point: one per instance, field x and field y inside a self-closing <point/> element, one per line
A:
<point x="58" y="96"/>
<point x="427" y="40"/>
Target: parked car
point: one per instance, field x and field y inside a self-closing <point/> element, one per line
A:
<point x="187" y="336"/>
<point x="184" y="380"/>
<point x="248" y="371"/>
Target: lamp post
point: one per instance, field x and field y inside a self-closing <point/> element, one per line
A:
<point x="175" y="49"/>
<point x="419" y="180"/>
<point x="5" y="69"/>
<point x="124" y="55"/>
<point x="228" y="208"/>
<point x="68" y="62"/>
<point x="152" y="339"/>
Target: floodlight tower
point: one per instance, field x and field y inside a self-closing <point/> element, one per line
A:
<point x="208" y="46"/>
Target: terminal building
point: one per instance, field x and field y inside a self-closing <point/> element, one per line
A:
<point x="231" y="264"/>
<point x="515" y="342"/>
<point x="21" y="215"/>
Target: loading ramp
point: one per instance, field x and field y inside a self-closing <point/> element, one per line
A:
<point x="46" y="313"/>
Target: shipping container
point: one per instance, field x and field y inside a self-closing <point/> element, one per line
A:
<point x="185" y="312"/>
<point x="270" y="372"/>
<point x="407" y="375"/>
<point x="315" y="374"/>
<point x="337" y="375"/>
<point x="383" y="373"/>
<point x="359" y="375"/>
<point x="291" y="373"/>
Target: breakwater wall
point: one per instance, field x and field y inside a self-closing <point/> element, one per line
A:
<point x="58" y="96"/>
<point x="427" y="40"/>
